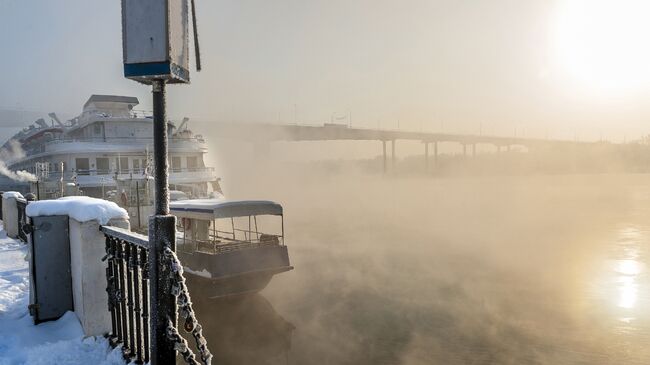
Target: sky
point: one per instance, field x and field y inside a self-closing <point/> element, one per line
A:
<point x="537" y="68"/>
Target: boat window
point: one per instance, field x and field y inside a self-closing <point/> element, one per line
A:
<point x="136" y="165"/>
<point x="82" y="166"/>
<point x="124" y="165"/>
<point x="191" y="162"/>
<point x="176" y="164"/>
<point x="97" y="129"/>
<point x="102" y="166"/>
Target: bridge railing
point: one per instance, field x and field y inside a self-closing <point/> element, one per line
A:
<point x="129" y="300"/>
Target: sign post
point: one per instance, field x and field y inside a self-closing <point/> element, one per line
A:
<point x="155" y="38"/>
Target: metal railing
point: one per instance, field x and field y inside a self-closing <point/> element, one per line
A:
<point x="127" y="277"/>
<point x="134" y="171"/>
<point x="126" y="140"/>
<point x="42" y="147"/>
<point x="130" y="300"/>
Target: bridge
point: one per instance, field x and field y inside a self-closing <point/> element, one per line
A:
<point x="262" y="133"/>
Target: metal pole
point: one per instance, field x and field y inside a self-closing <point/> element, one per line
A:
<point x="137" y="202"/>
<point x="162" y="232"/>
<point x="161" y="173"/>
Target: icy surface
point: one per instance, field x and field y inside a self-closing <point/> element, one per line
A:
<point x="80" y="208"/>
<point x="12" y="194"/>
<point x="21" y="342"/>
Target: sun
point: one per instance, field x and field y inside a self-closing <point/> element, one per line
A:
<point x="604" y="44"/>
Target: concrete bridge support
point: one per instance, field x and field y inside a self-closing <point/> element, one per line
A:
<point x="426" y="156"/>
<point x="473" y="149"/>
<point x="435" y="153"/>
<point x="464" y="150"/>
<point x="392" y="155"/>
<point x="383" y="143"/>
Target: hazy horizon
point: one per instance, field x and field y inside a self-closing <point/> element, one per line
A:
<point x="562" y="69"/>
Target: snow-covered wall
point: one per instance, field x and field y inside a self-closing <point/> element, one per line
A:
<point x="10" y="213"/>
<point x="79" y="208"/>
<point x="87" y="247"/>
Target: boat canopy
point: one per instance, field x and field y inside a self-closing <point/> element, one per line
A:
<point x="220" y="208"/>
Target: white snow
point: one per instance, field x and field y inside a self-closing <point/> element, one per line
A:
<point x="80" y="208"/>
<point x="59" y="342"/>
<point x="203" y="273"/>
<point x="12" y="194"/>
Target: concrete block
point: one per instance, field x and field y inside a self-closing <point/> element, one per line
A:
<point x="10" y="216"/>
<point x="87" y="247"/>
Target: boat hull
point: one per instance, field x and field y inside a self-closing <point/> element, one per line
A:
<point x="235" y="272"/>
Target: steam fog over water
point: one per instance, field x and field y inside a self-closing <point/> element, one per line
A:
<point x="490" y="270"/>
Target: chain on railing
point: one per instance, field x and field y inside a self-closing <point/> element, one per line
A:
<point x="191" y="325"/>
<point x="128" y="286"/>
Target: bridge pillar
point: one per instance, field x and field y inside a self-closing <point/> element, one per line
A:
<point x="435" y="153"/>
<point x="392" y="156"/>
<point x="383" y="143"/>
<point x="464" y="150"/>
<point x="473" y="149"/>
<point x="426" y="156"/>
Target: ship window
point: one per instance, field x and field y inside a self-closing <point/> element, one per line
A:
<point x="124" y="165"/>
<point x="97" y="129"/>
<point x="191" y="162"/>
<point x="176" y="164"/>
<point x="136" y="165"/>
<point x="102" y="166"/>
<point x="82" y="166"/>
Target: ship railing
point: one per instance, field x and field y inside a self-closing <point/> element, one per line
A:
<point x="142" y="114"/>
<point x="136" y="171"/>
<point x="130" y="297"/>
<point x="223" y="245"/>
<point x="129" y="140"/>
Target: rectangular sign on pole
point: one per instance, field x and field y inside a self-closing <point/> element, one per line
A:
<point x="155" y="38"/>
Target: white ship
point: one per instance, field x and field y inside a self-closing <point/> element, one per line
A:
<point x="95" y="153"/>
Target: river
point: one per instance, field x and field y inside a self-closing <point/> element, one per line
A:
<point x="489" y="270"/>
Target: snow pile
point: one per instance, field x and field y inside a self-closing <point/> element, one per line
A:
<point x="12" y="194"/>
<point x="79" y="208"/>
<point x="21" y="342"/>
<point x="14" y="279"/>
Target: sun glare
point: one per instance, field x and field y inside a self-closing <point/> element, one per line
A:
<point x="604" y="44"/>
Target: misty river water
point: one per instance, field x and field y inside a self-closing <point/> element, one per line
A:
<point x="414" y="270"/>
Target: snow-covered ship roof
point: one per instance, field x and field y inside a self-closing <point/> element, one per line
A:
<point x="221" y="208"/>
<point x="133" y="101"/>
